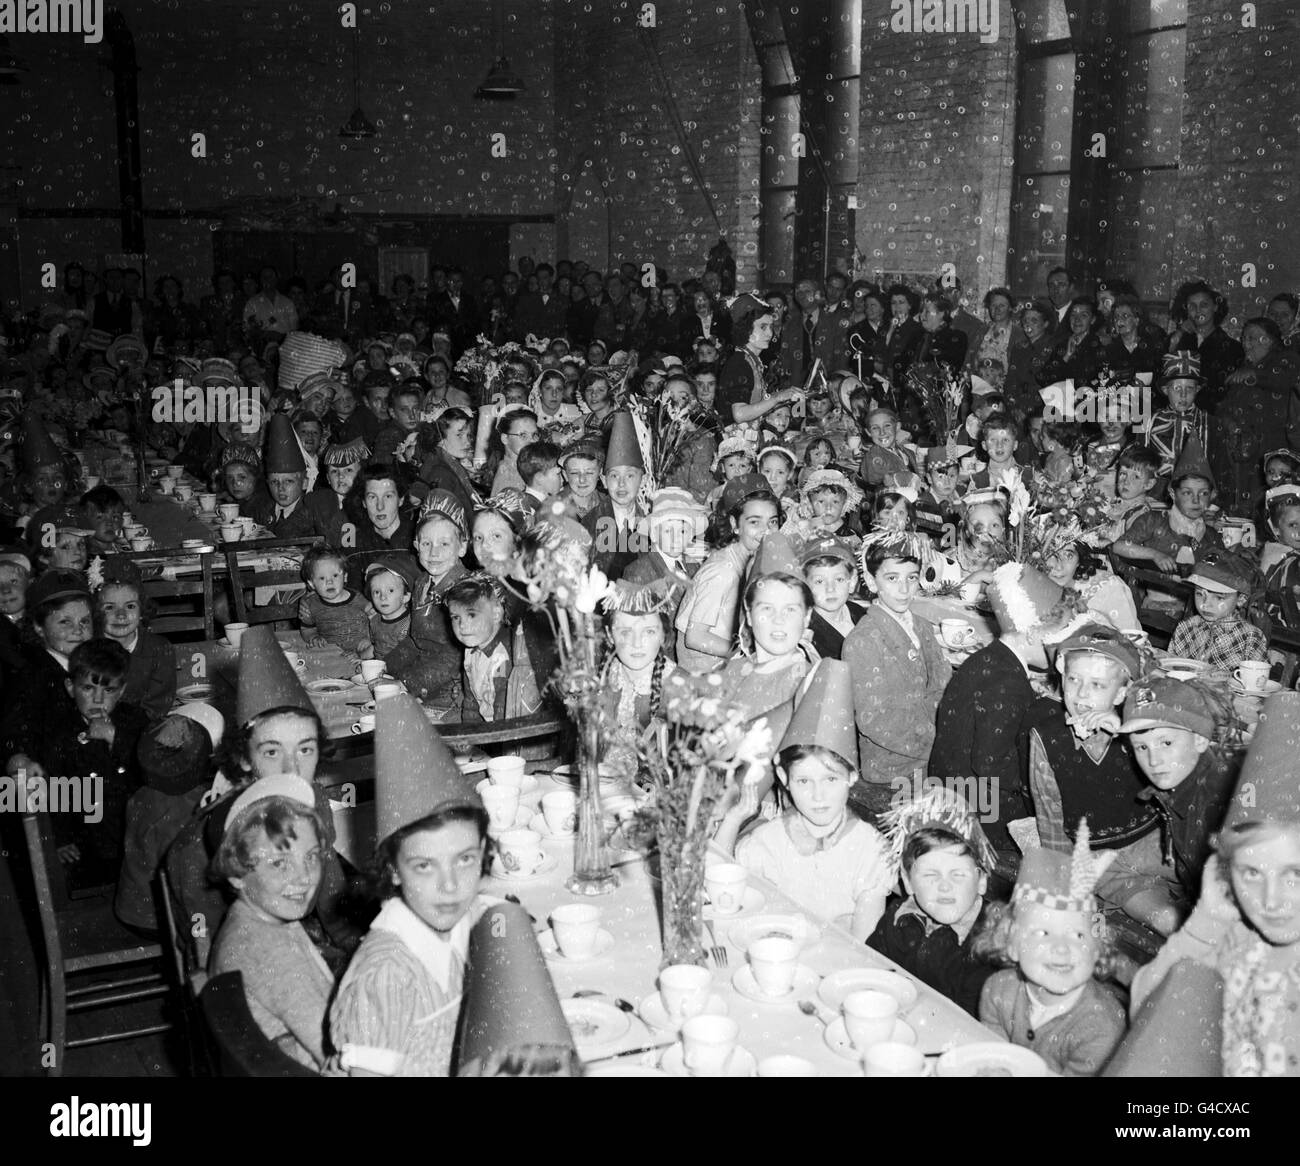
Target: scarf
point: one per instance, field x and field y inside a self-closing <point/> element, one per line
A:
<point x="806" y="843"/>
<point x="1180" y="524"/>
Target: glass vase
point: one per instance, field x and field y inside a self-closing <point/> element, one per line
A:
<point x="681" y="872"/>
<point x="591" y="871"/>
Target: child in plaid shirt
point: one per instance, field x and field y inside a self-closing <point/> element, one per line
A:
<point x="1217" y="633"/>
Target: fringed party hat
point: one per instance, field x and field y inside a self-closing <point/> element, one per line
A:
<point x="415" y="773"/>
<point x="1268" y="790"/>
<point x="775" y="556"/>
<point x="283" y="453"/>
<point x="824" y="713"/>
<point x="623" y="449"/>
<point x="662" y="593"/>
<point x="1178" y="1031"/>
<point x="349" y="453"/>
<point x="1063" y="882"/>
<point x="511" y="1023"/>
<point x="936" y="806"/>
<point x="266" y="678"/>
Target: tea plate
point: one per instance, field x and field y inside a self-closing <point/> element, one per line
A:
<point x="797" y="927"/>
<point x="653" y="1012"/>
<point x="990" y="1059"/>
<point x="549" y="863"/>
<point x="805" y="981"/>
<point x="837" y="1040"/>
<point x="1269" y="689"/>
<point x="538" y="822"/>
<point x="743" y="1062"/>
<point x="329" y="684"/>
<point x="597" y="1027"/>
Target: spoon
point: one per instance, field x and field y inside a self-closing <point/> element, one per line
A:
<point x="617" y="1001"/>
<point x="812" y="1008"/>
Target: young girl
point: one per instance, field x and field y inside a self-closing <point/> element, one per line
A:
<point x="1054" y="934"/>
<point x="828" y="507"/>
<point x="638" y="629"/>
<point x="734" y="459"/>
<point x="561" y="423"/>
<point x="1282" y="572"/>
<point x="777" y="464"/>
<point x="119" y="608"/>
<point x="398" y="1003"/>
<point x="820" y="455"/>
<point x="831" y="575"/>
<point x="892" y="510"/>
<point x="329" y="613"/>
<point x="513" y="430"/>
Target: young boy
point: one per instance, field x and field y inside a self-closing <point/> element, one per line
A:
<point x="1178" y="535"/>
<point x="403" y="419"/>
<point x="881" y="457"/>
<point x="498" y="676"/>
<point x="103" y="511"/>
<point x="830" y="502"/>
<point x="899" y="674"/>
<point x="1217" y="633"/>
<point x="612" y="522"/>
<point x="1136" y="471"/>
<point x="581" y="464"/>
<point x="1170" y="726"/>
<point x="284" y="512"/>
<point x="390" y="580"/>
<point x="999" y="439"/>
<point x="1078" y="768"/>
<point x="944" y="861"/>
<point x="1169" y="428"/>
<point x="830" y="571"/>
<point x="539" y="466"/>
<point x="818" y="853"/>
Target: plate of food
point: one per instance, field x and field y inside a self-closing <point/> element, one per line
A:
<point x="990" y="1059"/>
<point x="330" y="684"/>
<point x="597" y="1027"/>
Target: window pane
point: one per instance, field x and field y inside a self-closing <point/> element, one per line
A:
<point x="1043" y="20"/>
<point x="1040" y="210"/>
<point x="1047" y="114"/>
<point x="1155" y="13"/>
<point x="1153" y="100"/>
<point x="1140" y="233"/>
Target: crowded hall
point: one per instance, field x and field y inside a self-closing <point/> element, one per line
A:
<point x="543" y="538"/>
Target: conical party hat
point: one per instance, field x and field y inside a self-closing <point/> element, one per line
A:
<point x="623" y="448"/>
<point x="824" y="714"/>
<point x="775" y="556"/>
<point x="266" y="678"/>
<point x="1063" y="882"/>
<point x="415" y="773"/>
<point x="510" y="1005"/>
<point x="1022" y="597"/>
<point x="283" y="454"/>
<point x="38" y="447"/>
<point x="1178" y="1031"/>
<point x="1268" y="790"/>
<point x="1192" y="460"/>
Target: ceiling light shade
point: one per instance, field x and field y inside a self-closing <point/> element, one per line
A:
<point x="500" y="84"/>
<point x="10" y="64"/>
<point x="358" y="126"/>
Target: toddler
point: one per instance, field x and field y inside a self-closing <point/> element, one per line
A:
<point x="103" y="510"/>
<point x="820" y="455"/>
<point x="390" y="580"/>
<point x="329" y="613"/>
<point x="499" y="680"/>
<point x="1218" y="633"/>
<point x="1136" y="471"/>
<point x="1054" y="934"/>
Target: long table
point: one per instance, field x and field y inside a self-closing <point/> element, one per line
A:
<point x="628" y="972"/>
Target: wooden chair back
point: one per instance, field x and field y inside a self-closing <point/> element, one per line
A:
<point x="169" y="616"/>
<point x="243" y="1050"/>
<point x="246" y="577"/>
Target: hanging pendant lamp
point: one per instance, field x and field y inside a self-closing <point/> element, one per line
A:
<point x="358" y="125"/>
<point x="501" y="84"/>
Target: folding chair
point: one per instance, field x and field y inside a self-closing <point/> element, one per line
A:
<point x="243" y="1049"/>
<point x="271" y="612"/>
<point x="171" y="617"/>
<point x="80" y="940"/>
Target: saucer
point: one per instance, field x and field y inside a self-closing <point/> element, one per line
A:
<point x="538" y="822"/>
<point x="805" y="982"/>
<point x="839" y="984"/>
<point x="195" y="692"/>
<point x="797" y="927"/>
<point x="990" y="1059"/>
<point x="551" y="949"/>
<point x="753" y="901"/>
<point x="1238" y="689"/>
<point x="522" y="816"/>
<point x="330" y="684"/>
<point x="528" y="787"/>
<point x="597" y="1027"/>
<point x="549" y="863"/>
<point x="743" y="1062"/>
<point x="837" y="1040"/>
<point x="653" y="1012"/>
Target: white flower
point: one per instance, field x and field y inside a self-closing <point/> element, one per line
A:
<point x="1011" y="482"/>
<point x="755" y="747"/>
<point x="592" y="589"/>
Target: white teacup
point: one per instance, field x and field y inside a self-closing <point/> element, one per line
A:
<point x="166" y="485"/>
<point x="576" y="926"/>
<point x="560" y="809"/>
<point x="235" y="633"/>
<point x="506" y="770"/>
<point x="184" y="492"/>
<point x="957" y="633"/>
<point x="229" y="511"/>
<point x="372" y="670"/>
<point x="365" y="725"/>
<point x="175" y="472"/>
<point x="231" y="532"/>
<point x="141" y="542"/>
<point x="1230" y="534"/>
<point x="725" y="884"/>
<point x="92" y="480"/>
<point x="521" y="851"/>
<point x="684" y="990"/>
<point x="247" y="523"/>
<point x="708" y="1044"/>
<point x="892" y="1059"/>
<point x="869" y="1018"/>
<point x="386" y="689"/>
<point x="502" y="803"/>
<point x="774" y="962"/>
<point x="208" y="502"/>
<point x="1252" y="675"/>
<point x="785" y="1065"/>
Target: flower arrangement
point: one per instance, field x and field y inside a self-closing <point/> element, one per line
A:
<point x="483" y="362"/>
<point x="1046" y="518"/>
<point x="664" y="428"/>
<point x="943" y="392"/>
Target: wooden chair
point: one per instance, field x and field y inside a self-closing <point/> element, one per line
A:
<point x="171" y="617"/>
<point x="271" y="612"/>
<point x="187" y="981"/>
<point x="81" y="940"/>
<point x="243" y="1050"/>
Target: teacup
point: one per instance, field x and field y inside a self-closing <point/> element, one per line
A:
<point x="386" y="688"/>
<point x="235" y="632"/>
<point x="1252" y="675"/>
<point x="231" y="532"/>
<point x="166" y="485"/>
<point x="175" y="472"/>
<point x="141" y="542"/>
<point x="774" y="962"/>
<point x="724" y="883"/>
<point x="92" y="480"/>
<point x="708" y="1044"/>
<point x="560" y="809"/>
<point x="372" y="670"/>
<point x="506" y="770"/>
<point x="208" y="502"/>
<point x="785" y="1065"/>
<point x="184" y="492"/>
<point x="247" y="523"/>
<point x="502" y="803"/>
<point x="869" y="1017"/>
<point x="132" y="529"/>
<point x="957" y="633"/>
<point x="229" y="511"/>
<point x="1230" y="534"/>
<point x="892" y="1059"/>
<point x="684" y="990"/>
<point x="576" y="927"/>
<point x="521" y="851"/>
<point x="365" y="725"/>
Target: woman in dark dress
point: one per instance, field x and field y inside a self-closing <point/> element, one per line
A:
<point x="1199" y="311"/>
<point x="903" y="334"/>
<point x="1077" y="356"/>
<point x="451" y="438"/>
